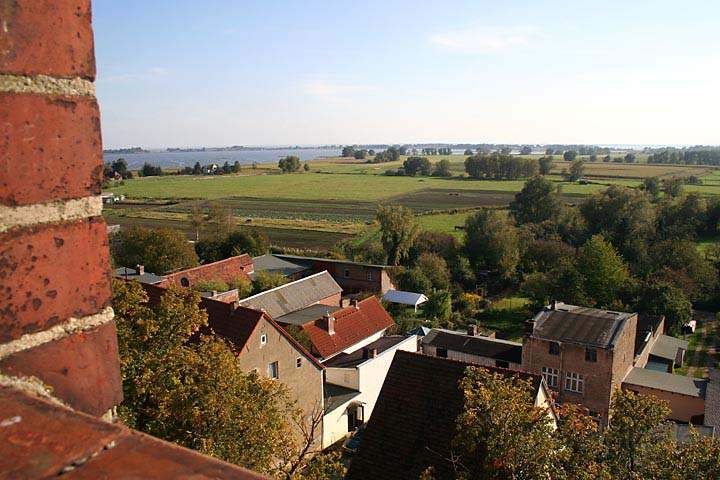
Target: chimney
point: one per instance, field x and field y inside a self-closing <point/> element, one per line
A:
<point x="369" y="352"/>
<point x="354" y="303"/>
<point x="553" y="304"/>
<point x="472" y="330"/>
<point x="140" y="269"/>
<point x="344" y="302"/>
<point x="329" y="323"/>
<point x="529" y="326"/>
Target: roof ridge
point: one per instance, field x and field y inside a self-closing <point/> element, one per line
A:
<point x="285" y="285"/>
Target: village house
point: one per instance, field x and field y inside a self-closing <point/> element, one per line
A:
<point x="353" y="277"/>
<point x="413" y="422"/>
<point x="585" y="354"/>
<point x="353" y="382"/>
<point x="472" y="347"/>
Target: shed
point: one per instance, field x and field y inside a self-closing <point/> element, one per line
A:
<point x="405" y="298"/>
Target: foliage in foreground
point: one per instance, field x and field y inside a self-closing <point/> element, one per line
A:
<point x="501" y="435"/>
<point x="193" y="393"/>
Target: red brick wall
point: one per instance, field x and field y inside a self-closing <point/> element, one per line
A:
<point x="55" y="320"/>
<point x="225" y="270"/>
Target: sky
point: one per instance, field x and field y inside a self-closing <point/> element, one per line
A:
<point x="180" y="73"/>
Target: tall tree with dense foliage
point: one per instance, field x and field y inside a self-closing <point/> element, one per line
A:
<point x="492" y="242"/>
<point x="417" y="166"/>
<point x="160" y="250"/>
<point x="536" y="202"/>
<point x="577" y="168"/>
<point x="442" y="169"/>
<point x="237" y="242"/>
<point x="289" y="164"/>
<point x="397" y="231"/>
<point x="546" y="164"/>
<point x="604" y="271"/>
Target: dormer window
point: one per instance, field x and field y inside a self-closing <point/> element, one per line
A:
<point x="554" y="348"/>
<point x="590" y="355"/>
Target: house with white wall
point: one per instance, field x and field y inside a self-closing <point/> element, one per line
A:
<point x="353" y="382"/>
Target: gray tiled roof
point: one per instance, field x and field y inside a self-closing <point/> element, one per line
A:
<point x="350" y="360"/>
<point x="294" y="296"/>
<point x="272" y="263"/>
<point x="132" y="274"/>
<point x="712" y="401"/>
<point x="667" y="347"/>
<point x="668" y="382"/>
<point x="310" y="260"/>
<point x="583" y="325"/>
<point x="475" y="345"/>
<point x="307" y="314"/>
<point x="335" y="396"/>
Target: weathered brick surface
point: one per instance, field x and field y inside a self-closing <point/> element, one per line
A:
<point x="226" y="270"/>
<point x="37" y="439"/>
<point x="82" y="368"/>
<point x="40" y="440"/>
<point x="50" y="273"/>
<point x="50" y="148"/>
<point x="51" y="37"/>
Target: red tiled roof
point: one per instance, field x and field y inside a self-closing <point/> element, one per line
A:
<point x="352" y="325"/>
<point x="413" y="422"/>
<point x="225" y="270"/>
<point x="39" y="439"/>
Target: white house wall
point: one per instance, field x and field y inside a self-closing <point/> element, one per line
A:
<point x="345" y="377"/>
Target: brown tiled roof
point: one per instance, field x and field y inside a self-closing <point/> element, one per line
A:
<point x="413" y="422"/>
<point x="583" y="325"/>
<point x="226" y="270"/>
<point x="39" y="439"/>
<point x="352" y="325"/>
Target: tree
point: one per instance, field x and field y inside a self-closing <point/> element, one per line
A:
<point x="197" y="220"/>
<point x="435" y="269"/>
<point x="636" y="440"/>
<point x="289" y="164"/>
<point x="194" y="393"/>
<point x="570" y="155"/>
<point x="442" y="169"/>
<point x="673" y="187"/>
<point x="577" y="168"/>
<point x="306" y="166"/>
<point x="630" y="158"/>
<point x="197" y="169"/>
<point x="348" y="151"/>
<point x="360" y="154"/>
<point x="468" y="152"/>
<point x="415" y="165"/>
<point x="413" y="280"/>
<point x="219" y="222"/>
<point x="582" y="453"/>
<point x="536" y="202"/>
<point x="499" y="166"/>
<point x="545" y="164"/>
<point x="492" y="242"/>
<point x="651" y="185"/>
<point x="236" y="167"/>
<point x="500" y="433"/>
<point x="604" y="271"/>
<point x="526" y="150"/>
<point x="664" y="298"/>
<point x="268" y="280"/>
<point x="237" y="242"/>
<point x="397" y="231"/>
<point x="160" y="250"/>
<point x="120" y="167"/>
<point x="439" y="306"/>
<point x="149" y="170"/>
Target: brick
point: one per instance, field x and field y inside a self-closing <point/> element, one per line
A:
<point x="50" y="273"/>
<point x="50" y="148"/>
<point x="141" y="456"/>
<point x="83" y="369"/>
<point x="51" y="37"/>
<point x="37" y="439"/>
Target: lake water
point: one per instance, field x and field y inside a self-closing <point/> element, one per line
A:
<point x="245" y="157"/>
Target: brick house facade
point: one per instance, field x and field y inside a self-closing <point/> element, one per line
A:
<point x="353" y="277"/>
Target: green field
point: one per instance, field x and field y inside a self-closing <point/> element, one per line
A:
<point x="339" y="197"/>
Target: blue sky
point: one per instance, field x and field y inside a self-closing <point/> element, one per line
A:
<point x="266" y="72"/>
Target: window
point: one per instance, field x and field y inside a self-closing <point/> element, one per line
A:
<point x="441" y="352"/>
<point x="369" y="276"/>
<point x="574" y="382"/>
<point x="551" y="376"/>
<point x="263" y="339"/>
<point x="590" y="355"/>
<point x="298" y="362"/>
<point x="184" y="282"/>
<point x="273" y="371"/>
<point x="347" y="273"/>
<point x="554" y="348"/>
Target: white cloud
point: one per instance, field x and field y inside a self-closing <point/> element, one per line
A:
<point x="483" y="39"/>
